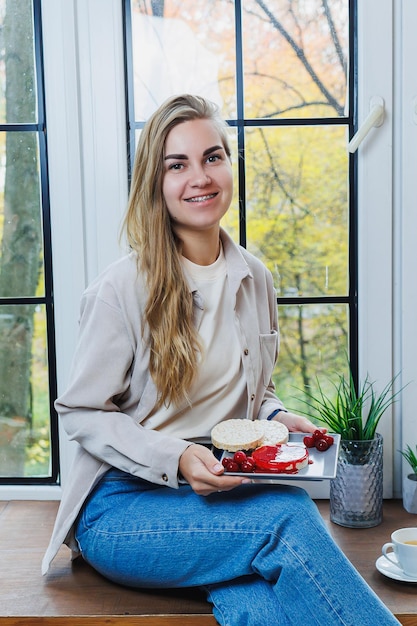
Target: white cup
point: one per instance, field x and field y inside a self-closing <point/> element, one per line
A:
<point x="404" y="544"/>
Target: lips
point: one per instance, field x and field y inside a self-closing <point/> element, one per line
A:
<point x="201" y="198"/>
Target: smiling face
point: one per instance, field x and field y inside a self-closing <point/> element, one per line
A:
<point x="198" y="180"/>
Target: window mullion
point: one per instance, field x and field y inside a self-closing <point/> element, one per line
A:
<point x="240" y="107"/>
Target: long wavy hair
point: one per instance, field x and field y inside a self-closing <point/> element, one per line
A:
<point x="174" y="341"/>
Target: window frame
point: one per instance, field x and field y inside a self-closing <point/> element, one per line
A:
<point x="241" y="123"/>
<point x="376" y="255"/>
<point x="47" y="300"/>
<point x="404" y="229"/>
<point x="78" y="111"/>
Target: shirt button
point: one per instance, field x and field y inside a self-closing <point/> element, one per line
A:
<point x="246" y="352"/>
<point x="252" y="397"/>
<point x="165" y="478"/>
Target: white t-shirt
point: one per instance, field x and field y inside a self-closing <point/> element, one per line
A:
<point x="219" y="391"/>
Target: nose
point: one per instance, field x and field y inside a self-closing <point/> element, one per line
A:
<point x="200" y="178"/>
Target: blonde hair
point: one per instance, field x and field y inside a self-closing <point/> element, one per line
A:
<point x="174" y="341"/>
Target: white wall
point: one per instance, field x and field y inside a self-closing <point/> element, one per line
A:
<point x="405" y="212"/>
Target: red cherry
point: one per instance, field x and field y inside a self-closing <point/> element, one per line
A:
<point x="233" y="466"/>
<point x="247" y="467"/>
<point x="317" y="435"/>
<point x="226" y="461"/>
<point x="322" y="445"/>
<point x="309" y="441"/>
<point x="239" y="456"/>
<point x="329" y="439"/>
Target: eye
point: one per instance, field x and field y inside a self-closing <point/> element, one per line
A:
<point x="213" y="158"/>
<point x="175" y="166"/>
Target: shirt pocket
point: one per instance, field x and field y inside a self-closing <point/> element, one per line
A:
<point x="269" y="348"/>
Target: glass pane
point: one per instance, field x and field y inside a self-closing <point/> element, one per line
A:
<point x="183" y="46"/>
<point x="314" y="344"/>
<point x="17" y="63"/>
<point x="295" y="58"/>
<point x="24" y="395"/>
<point x="297" y="207"/>
<point x="21" y="253"/>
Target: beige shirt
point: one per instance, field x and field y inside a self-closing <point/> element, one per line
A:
<point x="219" y="391"/>
<point x="111" y="393"/>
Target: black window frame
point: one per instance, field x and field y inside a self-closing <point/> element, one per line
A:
<point x="241" y="123"/>
<point x="47" y="300"/>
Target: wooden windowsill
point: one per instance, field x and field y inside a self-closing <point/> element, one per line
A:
<point x="74" y="594"/>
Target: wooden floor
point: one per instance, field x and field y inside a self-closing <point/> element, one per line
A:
<point x="76" y="595"/>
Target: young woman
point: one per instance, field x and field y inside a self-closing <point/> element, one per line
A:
<point x="177" y="336"/>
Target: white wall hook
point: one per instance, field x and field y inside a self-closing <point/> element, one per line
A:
<point x="374" y="119"/>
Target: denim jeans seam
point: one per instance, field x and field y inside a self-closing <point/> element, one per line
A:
<point x="219" y="608"/>
<point x="314" y="580"/>
<point x="168" y="531"/>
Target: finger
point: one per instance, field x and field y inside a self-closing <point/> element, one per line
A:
<point x="224" y="487"/>
<point x="210" y="461"/>
<point x="204" y="484"/>
<point x="217" y="468"/>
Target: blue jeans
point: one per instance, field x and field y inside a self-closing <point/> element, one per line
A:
<point x="261" y="552"/>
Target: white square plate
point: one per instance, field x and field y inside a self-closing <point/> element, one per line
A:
<point x="323" y="465"/>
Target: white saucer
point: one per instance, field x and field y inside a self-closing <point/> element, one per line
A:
<point x="393" y="571"/>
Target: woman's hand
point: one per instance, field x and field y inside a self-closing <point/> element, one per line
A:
<point x="297" y="423"/>
<point x="204" y="473"/>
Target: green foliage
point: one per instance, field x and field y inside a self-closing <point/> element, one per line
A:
<point x="411" y="457"/>
<point x="297" y="224"/>
<point x="38" y="453"/>
<point x="313" y="344"/>
<point x="353" y="413"/>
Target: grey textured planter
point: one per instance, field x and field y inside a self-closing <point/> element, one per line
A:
<point x="356" y="494"/>
<point x="410" y="493"/>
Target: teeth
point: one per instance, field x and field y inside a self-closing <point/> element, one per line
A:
<point x="201" y="198"/>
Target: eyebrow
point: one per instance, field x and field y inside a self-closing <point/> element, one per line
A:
<point x="184" y="157"/>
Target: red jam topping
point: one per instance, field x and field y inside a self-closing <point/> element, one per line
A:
<point x="280" y="459"/>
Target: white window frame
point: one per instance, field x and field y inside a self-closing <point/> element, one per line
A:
<point x="405" y="297"/>
<point x="388" y="222"/>
<point x="85" y="107"/>
<point x="375" y="212"/>
<point x="86" y="126"/>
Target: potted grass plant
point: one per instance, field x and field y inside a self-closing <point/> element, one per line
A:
<point x="356" y="493"/>
<point x="410" y="481"/>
